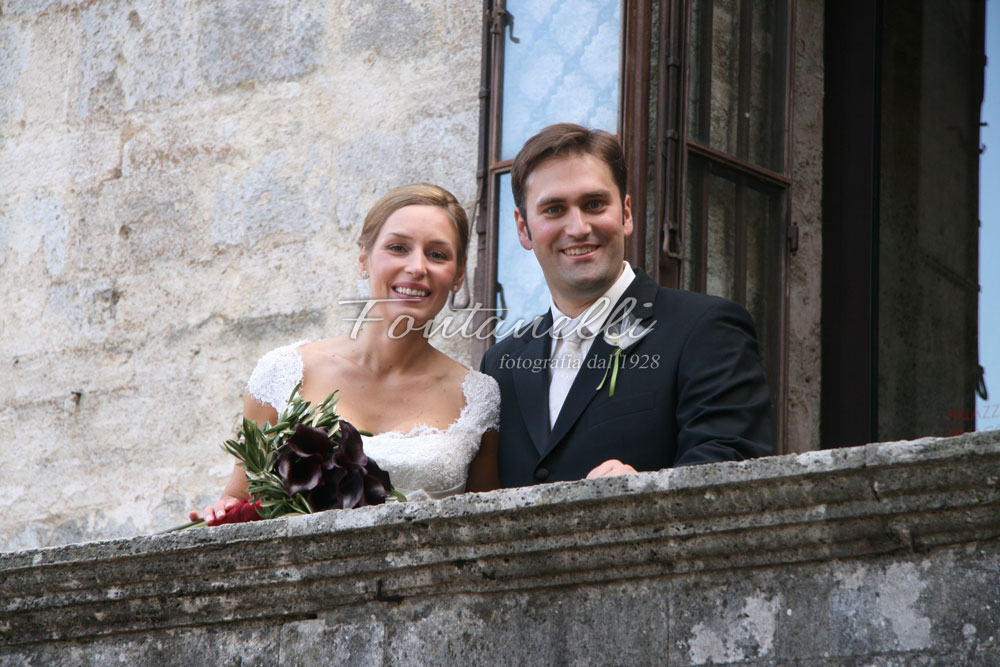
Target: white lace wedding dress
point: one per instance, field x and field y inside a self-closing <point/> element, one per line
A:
<point x="425" y="462"/>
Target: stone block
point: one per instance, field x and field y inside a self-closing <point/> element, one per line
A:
<point x="13" y="48"/>
<point x="35" y="7"/>
<point x="176" y="144"/>
<point x="139" y="224"/>
<point x="49" y="162"/>
<point x="87" y="308"/>
<point x="737" y="623"/>
<point x="431" y="150"/>
<point x="134" y="55"/>
<point x="267" y="199"/>
<point x="393" y="30"/>
<point x="314" y="642"/>
<point x="241" y="43"/>
<point x="6" y="230"/>
<point x="42" y="226"/>
<point x="254" y="646"/>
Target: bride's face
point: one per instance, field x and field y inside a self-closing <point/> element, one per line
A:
<point x="414" y="262"/>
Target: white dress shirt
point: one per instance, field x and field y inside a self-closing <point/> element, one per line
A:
<point x="573" y="337"/>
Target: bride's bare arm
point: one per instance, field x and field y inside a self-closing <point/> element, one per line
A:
<point x="483" y="474"/>
<point x="236" y="488"/>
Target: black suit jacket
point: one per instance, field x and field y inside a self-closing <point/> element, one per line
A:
<point x="691" y="391"/>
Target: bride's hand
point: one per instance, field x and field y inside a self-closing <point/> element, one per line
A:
<point x="235" y="491"/>
<point x="214" y="513"/>
<point x="237" y="486"/>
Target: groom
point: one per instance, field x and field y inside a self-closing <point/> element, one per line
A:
<point x="620" y="375"/>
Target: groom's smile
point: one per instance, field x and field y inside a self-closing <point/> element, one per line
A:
<point x="578" y="251"/>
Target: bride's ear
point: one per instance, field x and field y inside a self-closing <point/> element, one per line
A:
<point x="362" y="261"/>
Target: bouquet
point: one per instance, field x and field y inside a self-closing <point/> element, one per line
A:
<point x="311" y="460"/>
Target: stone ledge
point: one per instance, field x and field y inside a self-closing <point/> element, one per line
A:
<point x="903" y="498"/>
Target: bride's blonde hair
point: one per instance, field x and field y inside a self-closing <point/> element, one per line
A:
<point x="425" y="194"/>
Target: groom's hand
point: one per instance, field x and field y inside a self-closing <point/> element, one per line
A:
<point x="611" y="468"/>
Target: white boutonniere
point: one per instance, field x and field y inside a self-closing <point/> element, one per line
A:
<point x="622" y="335"/>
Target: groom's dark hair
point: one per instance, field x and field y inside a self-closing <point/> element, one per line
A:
<point x="563" y="140"/>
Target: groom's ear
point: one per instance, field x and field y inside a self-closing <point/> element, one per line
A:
<point x="627" y="215"/>
<point x="523" y="233"/>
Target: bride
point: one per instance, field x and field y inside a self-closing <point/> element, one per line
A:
<point x="434" y="420"/>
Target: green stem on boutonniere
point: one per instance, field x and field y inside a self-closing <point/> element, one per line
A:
<point x="617" y="357"/>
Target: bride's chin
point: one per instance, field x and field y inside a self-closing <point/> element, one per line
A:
<point x="402" y="322"/>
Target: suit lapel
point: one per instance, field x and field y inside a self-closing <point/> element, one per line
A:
<point x="531" y="382"/>
<point x="643" y="291"/>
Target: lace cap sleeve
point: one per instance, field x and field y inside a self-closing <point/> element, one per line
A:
<point x="276" y="375"/>
<point x="482" y="396"/>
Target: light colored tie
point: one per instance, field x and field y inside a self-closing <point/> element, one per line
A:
<point x="565" y="365"/>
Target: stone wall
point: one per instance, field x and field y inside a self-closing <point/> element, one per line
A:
<point x="181" y="184"/>
<point x="802" y="406"/>
<point x="928" y="229"/>
<point x="880" y="555"/>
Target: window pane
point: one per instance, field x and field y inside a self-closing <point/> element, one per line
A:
<point x="710" y="238"/>
<point x="564" y="68"/>
<point x="520" y="279"/>
<point x="767" y="85"/>
<point x="765" y="244"/>
<point x="733" y="248"/>
<point x="714" y="82"/>
<point x="744" y="118"/>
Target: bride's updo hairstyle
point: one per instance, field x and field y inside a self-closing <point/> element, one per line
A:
<point x="423" y="194"/>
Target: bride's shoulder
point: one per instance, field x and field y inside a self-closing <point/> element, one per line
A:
<point x="482" y="401"/>
<point x="276" y="374"/>
<point x="480" y="387"/>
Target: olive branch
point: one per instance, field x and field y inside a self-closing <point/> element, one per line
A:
<point x="259" y="448"/>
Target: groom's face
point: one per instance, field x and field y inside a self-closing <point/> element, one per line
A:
<point x="575" y="222"/>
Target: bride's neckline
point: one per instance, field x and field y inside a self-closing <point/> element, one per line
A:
<point x="424" y="429"/>
<point x="281" y="369"/>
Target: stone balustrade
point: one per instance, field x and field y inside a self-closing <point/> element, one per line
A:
<point x="879" y="555"/>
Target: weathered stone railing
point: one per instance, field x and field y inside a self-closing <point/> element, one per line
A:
<point x="887" y="553"/>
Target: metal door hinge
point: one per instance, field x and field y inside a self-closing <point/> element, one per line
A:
<point x="500" y="18"/>
<point x="793" y="237"/>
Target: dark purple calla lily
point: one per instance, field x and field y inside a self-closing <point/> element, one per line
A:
<point x="375" y="491"/>
<point x="324" y="496"/>
<point x="345" y="480"/>
<point x="351" y="453"/>
<point x="379" y="475"/>
<point x="307" y="441"/>
<point x="352" y="489"/>
<point x="300" y="473"/>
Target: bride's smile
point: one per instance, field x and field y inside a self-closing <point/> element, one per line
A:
<point x="407" y="291"/>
